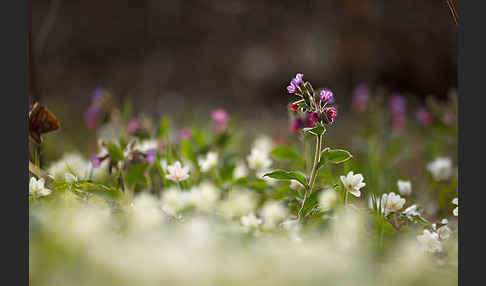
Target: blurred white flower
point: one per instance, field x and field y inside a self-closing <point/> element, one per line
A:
<point x="263" y="143"/>
<point x="204" y="196"/>
<point x="250" y="221"/>
<point x="391" y="203"/>
<point x="440" y="168"/>
<point x="208" y="162"/>
<point x="456" y="210"/>
<point x="328" y="199"/>
<point x="147" y="145"/>
<point x="353" y="183"/>
<point x="240" y="170"/>
<point x="145" y="212"/>
<point x="404" y="187"/>
<point x="70" y="178"/>
<point x="444" y="232"/>
<point x="173" y="201"/>
<point x="37" y="188"/>
<point x="238" y="203"/>
<point x="70" y="162"/>
<point x="273" y="213"/>
<point x="430" y="241"/>
<point x="296" y="185"/>
<point x="259" y="159"/>
<point x="444" y="221"/>
<point x="163" y="164"/>
<point x="177" y="173"/>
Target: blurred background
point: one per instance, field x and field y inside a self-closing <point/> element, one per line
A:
<point x="181" y="58"/>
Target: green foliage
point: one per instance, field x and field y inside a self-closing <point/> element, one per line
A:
<point x="288" y="175"/>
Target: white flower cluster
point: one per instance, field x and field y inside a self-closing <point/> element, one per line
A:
<point x="259" y="159"/>
<point x="431" y="240"/>
<point x="440" y="168"/>
<point x="37" y="188"/>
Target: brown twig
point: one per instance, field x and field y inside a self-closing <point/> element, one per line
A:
<point x="453" y="10"/>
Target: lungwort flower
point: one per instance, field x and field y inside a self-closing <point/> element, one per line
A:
<point x="391" y="203"/>
<point x="37" y="188"/>
<point x="353" y="183"/>
<point x="177" y="173"/>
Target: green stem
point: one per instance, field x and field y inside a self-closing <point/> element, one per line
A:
<point x="313" y="175"/>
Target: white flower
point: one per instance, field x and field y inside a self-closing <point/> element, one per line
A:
<point x="404" y="187"/>
<point x="240" y="170"/>
<point x="353" y="183"/>
<point x="263" y="143"/>
<point x="70" y="178"/>
<point x="173" y="201"/>
<point x="145" y="212"/>
<point x="163" y="165"/>
<point x="70" y="162"/>
<point x="259" y="159"/>
<point x="444" y="232"/>
<point x="37" y="189"/>
<point x="209" y="162"/>
<point x="391" y="203"/>
<point x="411" y="211"/>
<point x="430" y="241"/>
<point x="177" y="173"/>
<point x="440" y="168"/>
<point x="444" y="221"/>
<point x="273" y="213"/>
<point x="250" y="221"/>
<point x="296" y="185"/>
<point x="328" y="199"/>
<point x="456" y="210"/>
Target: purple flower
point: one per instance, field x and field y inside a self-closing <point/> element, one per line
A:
<point x="295" y="83"/>
<point x="298" y="79"/>
<point x="296" y="124"/>
<point x="361" y="95"/>
<point x="291" y="88"/>
<point x="424" y="116"/>
<point x="221" y="118"/>
<point x="327" y="96"/>
<point x="185" y="133"/>
<point x="96" y="161"/>
<point x="132" y="125"/>
<point x="90" y="116"/>
<point x="331" y="113"/>
<point x="398" y="104"/>
<point x="150" y="156"/>
<point x="97" y="94"/>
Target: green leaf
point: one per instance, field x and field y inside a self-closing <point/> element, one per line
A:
<point x="186" y="150"/>
<point x="319" y="130"/>
<point x="164" y="125"/>
<point x="288" y="175"/>
<point x="335" y="156"/>
<point x="136" y="174"/>
<point x="285" y="153"/>
<point x="116" y="153"/>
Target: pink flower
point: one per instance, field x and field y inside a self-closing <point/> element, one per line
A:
<point x="314" y="116"/>
<point x="424" y="116"/>
<point x="185" y="133"/>
<point x="331" y="113"/>
<point x="132" y="125"/>
<point x="220" y="116"/>
<point x="326" y="96"/>
<point x="294" y="107"/>
<point x="361" y="95"/>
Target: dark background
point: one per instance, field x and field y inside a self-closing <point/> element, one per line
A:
<point x="237" y="53"/>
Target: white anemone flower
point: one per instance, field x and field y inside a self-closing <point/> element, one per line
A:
<point x="37" y="188"/>
<point x="456" y="210"/>
<point x="404" y="187"/>
<point x="411" y="212"/>
<point x="391" y="203"/>
<point x="177" y="173"/>
<point x="444" y="232"/>
<point x="208" y="162"/>
<point x="263" y="143"/>
<point x="273" y="213"/>
<point x="430" y="241"/>
<point x="440" y="168"/>
<point x="353" y="183"/>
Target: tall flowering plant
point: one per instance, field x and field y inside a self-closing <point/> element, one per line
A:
<point x="319" y="114"/>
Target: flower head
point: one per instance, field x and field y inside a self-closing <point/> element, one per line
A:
<point x="440" y="168"/>
<point x="185" y="134"/>
<point x="404" y="187"/>
<point x="132" y="125"/>
<point x="391" y="203"/>
<point x="430" y="241"/>
<point x="96" y="161"/>
<point x="331" y="113"/>
<point x="398" y="104"/>
<point x="150" y="156"/>
<point x="259" y="159"/>
<point x="37" y="188"/>
<point x="177" y="173"/>
<point x="250" y="221"/>
<point x="294" y="107"/>
<point x="220" y="116"/>
<point x="328" y="199"/>
<point x="326" y="96"/>
<point x="295" y="83"/>
<point x="353" y="183"/>
<point x="240" y="170"/>
<point x="314" y="117"/>
<point x="424" y="116"/>
<point x="273" y="213"/>
<point x="411" y="212"/>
